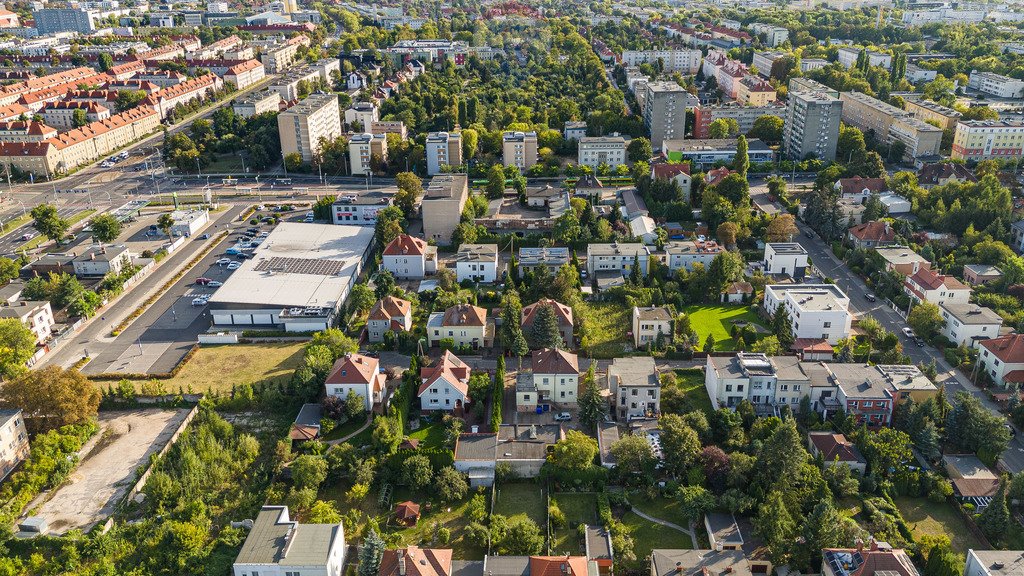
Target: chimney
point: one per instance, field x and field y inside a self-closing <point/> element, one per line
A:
<point x="401" y="565"/>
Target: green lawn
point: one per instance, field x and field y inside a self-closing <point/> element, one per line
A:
<point x="926" y="517"/>
<point x="344" y="429"/>
<point x="430" y="436"/>
<point x="607" y="326"/>
<point x="695" y="395"/>
<point x="718" y="320"/>
<point x="647" y="536"/>
<point x="579" y="508"/>
<point x="662" y="508"/>
<point x="522" y="499"/>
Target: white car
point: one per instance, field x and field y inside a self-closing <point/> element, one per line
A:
<point x="908" y="332"/>
<point x="215" y="284"/>
<point x="234" y="266"/>
<point x="563" y="417"/>
<point x="224" y="261"/>
<point x="199" y="301"/>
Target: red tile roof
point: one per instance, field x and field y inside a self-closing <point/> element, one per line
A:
<point x="418" y="561"/>
<point x="562" y="312"/>
<point x="832" y="446"/>
<point x="932" y="174"/>
<point x="244" y="67"/>
<point x="555" y="361"/>
<point x="407" y="510"/>
<point x="668" y="171"/>
<point x="1009" y="349"/>
<point x="881" y="558"/>
<point x="451" y="369"/>
<point x="874" y="231"/>
<point x="716" y="175"/>
<point x="406" y="245"/>
<point x="930" y="280"/>
<point x="857" y="185"/>
<point x="353" y="369"/>
<point x="464" y="315"/>
<point x="390" y="307"/>
<point x="558" y="566"/>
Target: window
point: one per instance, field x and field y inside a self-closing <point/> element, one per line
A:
<point x="728" y="387"/>
<point x="563" y="394"/>
<point x="634" y="392"/>
<point x="827" y="325"/>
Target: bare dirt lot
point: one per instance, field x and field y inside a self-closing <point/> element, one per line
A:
<point x="107" y="468"/>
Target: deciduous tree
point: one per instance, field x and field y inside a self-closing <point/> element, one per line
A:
<point x="49" y="223"/>
<point x="574" y="452"/>
<point x="51" y="397"/>
<point x="105" y="228"/>
<point x="17" y="345"/>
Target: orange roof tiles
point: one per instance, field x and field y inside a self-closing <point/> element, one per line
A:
<point x="353" y="369"/>
<point x="555" y="361"/>
<point x="417" y="561"/>
<point x="464" y="315"/>
<point x="562" y="312"/>
<point x="406" y="245"/>
<point x="390" y="307"/>
<point x="1009" y="348"/>
<point x="451" y="369"/>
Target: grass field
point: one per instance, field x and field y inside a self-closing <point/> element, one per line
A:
<point x="695" y="395"/>
<point x="647" y="536"/>
<point x="522" y="499"/>
<point x="718" y="320"/>
<point x="431" y="436"/>
<point x="662" y="508"/>
<point x="579" y="508"/>
<point x="926" y="517"/>
<point x="217" y="368"/>
<point x="608" y="326"/>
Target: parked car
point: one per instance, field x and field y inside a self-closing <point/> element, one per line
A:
<point x="870" y="297"/>
<point x="919" y="341"/>
<point x="203" y="281"/>
<point x="224" y="261"/>
<point x="563" y="417"/>
<point x="28" y="236"/>
<point x="204" y="237"/>
<point x="199" y="301"/>
<point x="908" y="332"/>
<point x="215" y="284"/>
<point x="234" y="266"/>
<point x="809" y="234"/>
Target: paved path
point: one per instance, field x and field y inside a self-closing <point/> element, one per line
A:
<point x="369" y="418"/>
<point x="687" y="531"/>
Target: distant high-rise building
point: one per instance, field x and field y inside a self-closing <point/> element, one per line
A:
<point x="812" y="125"/>
<point x="665" y="111"/>
<point x="443" y="149"/>
<point x="304" y="125"/>
<point x="53" y="20"/>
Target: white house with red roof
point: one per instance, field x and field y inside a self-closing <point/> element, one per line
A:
<point x="678" y="173"/>
<point x="358" y="374"/>
<point x="835" y="449"/>
<point x="556" y="375"/>
<point x="929" y="286"/>
<point x="409" y="257"/>
<point x="445" y="385"/>
<point x="389" y="314"/>
<point x="860" y="188"/>
<point x="1002" y="359"/>
<point x="465" y="325"/>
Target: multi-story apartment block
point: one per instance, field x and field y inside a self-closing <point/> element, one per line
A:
<point x="635" y="386"/>
<point x="616" y="257"/>
<point x="744" y="116"/>
<point x="25" y="131"/>
<point x="245" y="74"/>
<point x="14" y="447"/>
<point x="477" y="263"/>
<point x="848" y="57"/>
<point x="889" y="124"/>
<point x="650" y="323"/>
<point x="256" y="103"/>
<point x="62" y="114"/>
<point x="968" y="324"/>
<point x="754" y="91"/>
<point x="684" y="61"/>
<point x="359" y="209"/>
<point x="785" y="258"/>
<point x="363" y="113"/>
<point x="574" y="130"/>
<point x="303" y="126"/>
<point x="996" y="84"/>
<point x="816" y="311"/>
<point x="664" y="111"/>
<point x="443" y="149"/>
<point x="608" y="150"/>
<point x="685" y="253"/>
<point x="37" y="316"/>
<point x="54" y="20"/>
<point x="764" y="61"/>
<point x="930" y="111"/>
<point x="442" y="205"/>
<point x="988" y="139"/>
<point x="774" y="35"/>
<point x="362" y="148"/>
<point x="519" y="149"/>
<point x="928" y="286"/>
<point x="812" y="124"/>
<point x="279" y="56"/>
<point x="915" y="74"/>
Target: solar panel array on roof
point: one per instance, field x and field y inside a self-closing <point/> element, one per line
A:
<point x="301" y="266"/>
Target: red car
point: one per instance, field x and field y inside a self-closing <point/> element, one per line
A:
<point x="203" y="281"/>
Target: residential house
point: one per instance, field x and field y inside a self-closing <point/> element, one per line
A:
<point x="738" y="293"/>
<point x="416" y="561"/>
<point x="445" y="385"/>
<point x="968" y="324"/>
<point x="360" y="375"/>
<point x="562" y="312"/>
<point x="307" y="423"/>
<point x="14" y="448"/>
<point x="635" y="386"/>
<point x="551" y="257"/>
<point x="788" y="258"/>
<point x="389" y="314"/>
<point x="477" y="263"/>
<point x="666" y="562"/>
<point x="835" y="449"/>
<point x="902" y="260"/>
<point x="877" y="559"/>
<point x="726" y="532"/>
<point x="539" y="566"/>
<point x="816" y="311"/>
<point x="102" y="260"/>
<point x="543" y="196"/>
<point x="409" y="257"/>
<point x="685" y="253"/>
<point x="994" y="562"/>
<point x="768" y="382"/>
<point x="973" y="482"/>
<point x="650" y="323"/>
<point x="466" y="325"/>
<point x="975" y="274"/>
<point x="644" y="229"/>
<point x="941" y="173"/>
<point x="715" y="176"/>
<point x="678" y="173"/>
<point x="871" y="234"/>
<point x="36" y="315"/>
<point x="617" y="257"/>
<point x="278" y="546"/>
<point x="556" y="375"/>
<point x="926" y="285"/>
<point x="1002" y="359"/>
<point x="859" y="188"/>
<point x="524" y="448"/>
<point x="863" y="391"/>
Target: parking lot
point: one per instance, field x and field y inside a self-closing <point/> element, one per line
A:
<point x="107" y="469"/>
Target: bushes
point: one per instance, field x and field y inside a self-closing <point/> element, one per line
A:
<point x="498" y="394"/>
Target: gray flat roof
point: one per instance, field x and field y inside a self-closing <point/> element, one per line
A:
<point x="724" y="527"/>
<point x="635" y="371"/>
<point x="787" y="248"/>
<point x="699" y="562"/>
<point x="478" y="446"/>
<point x="972" y="314"/>
<point x="477" y="253"/>
<point x="1000" y="562"/>
<point x="298" y="265"/>
<point x="268" y="541"/>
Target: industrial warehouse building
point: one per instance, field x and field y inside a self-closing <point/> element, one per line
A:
<point x="297" y="280"/>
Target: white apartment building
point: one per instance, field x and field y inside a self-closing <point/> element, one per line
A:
<point x="774" y="35"/>
<point x="616" y="257"/>
<point x="996" y="84"/>
<point x="816" y="311"/>
<point x="37" y="316"/>
<point x="926" y="285"/>
<point x="848" y="57"/>
<point x="556" y="375"/>
<point x="519" y="149"/>
<point x="1002" y="358"/>
<point x="685" y="253"/>
<point x="303" y="126"/>
<point x="649" y="323"/>
<point x="684" y="61"/>
<point x="362" y="147"/>
<point x="477" y="263"/>
<point x="256" y="103"/>
<point x="635" y="387"/>
<point x="278" y="546"/>
<point x="765" y="381"/>
<point x="785" y="258"/>
<point x="365" y="113"/>
<point x="14" y="446"/>
<point x="968" y="324"/>
<point x="993" y="562"/>
<point x="443" y="149"/>
<point x="596" y="150"/>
